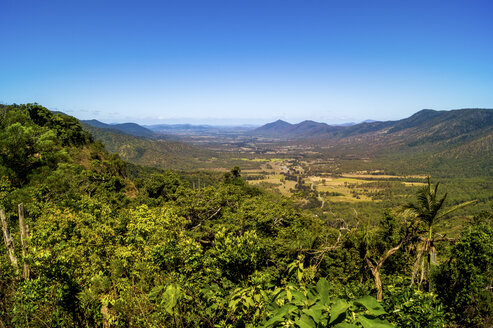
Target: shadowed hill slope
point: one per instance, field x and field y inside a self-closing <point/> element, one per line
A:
<point x="128" y="128"/>
<point x="149" y="152"/>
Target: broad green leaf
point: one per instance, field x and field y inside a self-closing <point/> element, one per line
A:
<point x="313" y="313"/>
<point x="298" y="296"/>
<point x="287" y="308"/>
<point x="323" y="290"/>
<point x="345" y="325"/>
<point x="272" y="321"/>
<point x="369" y="322"/>
<point x="338" y="309"/>
<point x="153" y="294"/>
<point x="371" y="304"/>
<point x="320" y="307"/>
<point x="289" y="295"/>
<point x="171" y="296"/>
<point x="305" y="322"/>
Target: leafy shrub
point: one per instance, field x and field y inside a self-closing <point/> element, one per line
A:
<point x="314" y="306"/>
<point x="409" y="307"/>
<point x="464" y="281"/>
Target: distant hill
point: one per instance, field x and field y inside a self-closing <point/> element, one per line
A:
<point x="458" y="142"/>
<point x="311" y="129"/>
<point x="432" y="126"/>
<point x="284" y="130"/>
<point x="150" y="152"/>
<point x="274" y="129"/>
<point x="128" y="128"/>
<point x="425" y="126"/>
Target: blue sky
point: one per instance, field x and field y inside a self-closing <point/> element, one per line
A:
<point x="250" y="61"/>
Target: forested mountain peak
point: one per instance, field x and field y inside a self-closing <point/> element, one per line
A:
<point x="461" y="120"/>
<point x="276" y="125"/>
<point x="282" y="122"/>
<point x="133" y="129"/>
<point x="46" y="152"/>
<point x="96" y="123"/>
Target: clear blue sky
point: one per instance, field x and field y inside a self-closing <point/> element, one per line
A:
<point x="246" y="61"/>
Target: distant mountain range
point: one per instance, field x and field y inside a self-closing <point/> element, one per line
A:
<point x="426" y="124"/>
<point x="458" y="141"/>
<point x="429" y="139"/>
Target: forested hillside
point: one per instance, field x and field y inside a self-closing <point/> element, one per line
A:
<point x="426" y="126"/>
<point x="86" y="245"/>
<point x="132" y="129"/>
<point x="156" y="153"/>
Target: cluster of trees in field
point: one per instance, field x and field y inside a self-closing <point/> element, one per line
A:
<point x="109" y="245"/>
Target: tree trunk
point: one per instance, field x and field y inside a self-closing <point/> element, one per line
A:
<point x="8" y="240"/>
<point x="24" y="235"/>
<point x="416" y="266"/>
<point x="105" y="312"/>
<point x="375" y="269"/>
<point x="378" y="284"/>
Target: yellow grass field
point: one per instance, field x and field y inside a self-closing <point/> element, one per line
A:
<point x="340" y="189"/>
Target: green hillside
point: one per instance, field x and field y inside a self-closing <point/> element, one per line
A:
<point x="441" y="143"/>
<point x="423" y="127"/>
<point x="132" y="129"/>
<point x="152" y="152"/>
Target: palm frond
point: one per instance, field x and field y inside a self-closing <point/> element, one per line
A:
<point x="435" y="192"/>
<point x="410" y="206"/>
<point x="455" y="208"/>
<point x="438" y="205"/>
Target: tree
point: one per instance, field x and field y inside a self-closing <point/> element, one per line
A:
<point x="234" y="176"/>
<point x="376" y="265"/>
<point x="163" y="185"/>
<point x="391" y="237"/>
<point x="428" y="209"/>
<point x="465" y="280"/>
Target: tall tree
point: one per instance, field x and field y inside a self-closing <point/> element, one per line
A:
<point x="428" y="209"/>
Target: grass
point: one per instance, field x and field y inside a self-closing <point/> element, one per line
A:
<point x="351" y="187"/>
<point x="359" y="187"/>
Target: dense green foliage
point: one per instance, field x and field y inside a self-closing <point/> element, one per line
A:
<point x="158" y="250"/>
<point x="465" y="278"/>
